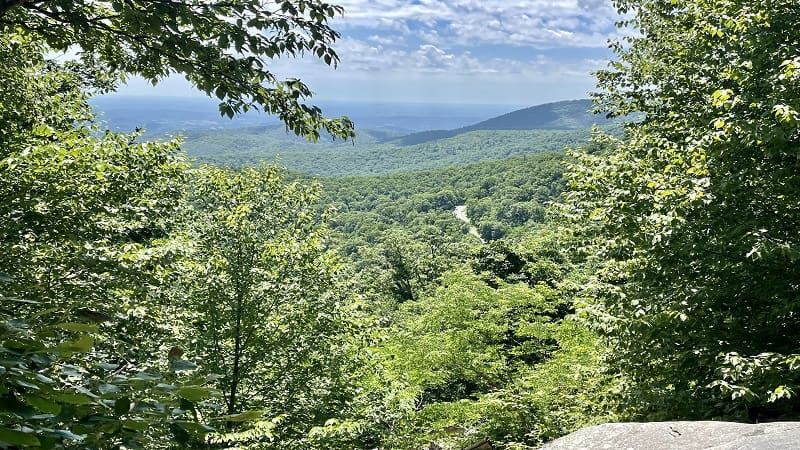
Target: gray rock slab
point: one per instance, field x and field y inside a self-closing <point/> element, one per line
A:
<point x="683" y="435"/>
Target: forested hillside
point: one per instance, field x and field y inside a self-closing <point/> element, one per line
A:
<point x="475" y="337"/>
<point x="551" y="127"/>
<point x="567" y="115"/>
<point x="501" y="196"/>
<point x="368" y="155"/>
<point x="153" y="297"/>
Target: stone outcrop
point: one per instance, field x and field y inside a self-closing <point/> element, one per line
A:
<point x="683" y="435"/>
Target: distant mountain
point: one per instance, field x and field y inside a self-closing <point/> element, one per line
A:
<point x="550" y="127"/>
<point x="368" y="155"/>
<point x="160" y="115"/>
<point x="565" y="115"/>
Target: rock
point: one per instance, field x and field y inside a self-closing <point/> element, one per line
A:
<point x="683" y="435"/>
<point x="482" y="445"/>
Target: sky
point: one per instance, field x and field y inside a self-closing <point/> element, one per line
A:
<point x="521" y="52"/>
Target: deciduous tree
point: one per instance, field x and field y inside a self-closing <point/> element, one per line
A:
<point x="222" y="47"/>
<point x="269" y="320"/>
<point x="697" y="210"/>
<point x="84" y="225"/>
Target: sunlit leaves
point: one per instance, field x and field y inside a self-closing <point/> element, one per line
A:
<point x="696" y="212"/>
<point x="83" y="217"/>
<point x="223" y="49"/>
<point x="269" y="319"/>
<point x="477" y="355"/>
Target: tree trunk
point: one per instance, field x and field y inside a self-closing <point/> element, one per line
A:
<point x="237" y="350"/>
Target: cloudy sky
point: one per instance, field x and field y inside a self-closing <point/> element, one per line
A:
<point x="455" y="51"/>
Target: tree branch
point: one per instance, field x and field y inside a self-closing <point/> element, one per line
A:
<point x="8" y="5"/>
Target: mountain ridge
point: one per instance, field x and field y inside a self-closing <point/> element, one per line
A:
<point x="541" y="128"/>
<point x="561" y="115"/>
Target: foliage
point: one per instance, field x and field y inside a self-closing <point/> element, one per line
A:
<point x="56" y="398"/>
<point x="466" y="341"/>
<point x="400" y="233"/>
<point x="84" y="220"/>
<point x="222" y="48"/>
<point x="697" y="211"/>
<point x="478" y="357"/>
<point x="492" y="190"/>
<point x="161" y="301"/>
<point x="146" y="304"/>
<point x="267" y="317"/>
<point x="369" y="155"/>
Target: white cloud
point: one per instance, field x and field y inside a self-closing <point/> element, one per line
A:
<point x="491" y="51"/>
<point x="386" y="40"/>
<point x="438" y="44"/>
<point x="526" y="23"/>
<point x="372" y="59"/>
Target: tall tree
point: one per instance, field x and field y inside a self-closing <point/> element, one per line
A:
<point x="83" y="225"/>
<point x="86" y="218"/>
<point x="697" y="212"/>
<point x="269" y="321"/>
<point x="480" y="357"/>
<point x="221" y="47"/>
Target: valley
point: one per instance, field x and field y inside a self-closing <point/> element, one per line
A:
<point x="551" y="127"/>
<point x="439" y="254"/>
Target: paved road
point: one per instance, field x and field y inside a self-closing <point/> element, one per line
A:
<point x="461" y="214"/>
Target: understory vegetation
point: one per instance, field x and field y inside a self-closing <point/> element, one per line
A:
<point x="151" y="301"/>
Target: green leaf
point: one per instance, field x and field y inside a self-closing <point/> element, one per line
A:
<point x="144" y="376"/>
<point x="108" y="366"/>
<point x="105" y="388"/>
<point x="245" y="416"/>
<point x="66" y="434"/>
<point x="195" y="393"/>
<point x="194" y="427"/>
<point x="81" y="327"/>
<point x="44" y="379"/>
<point x="26" y="384"/>
<point x="122" y="406"/>
<point x="18" y="300"/>
<point x="14" y="437"/>
<point x="82" y="345"/>
<point x="43" y="405"/>
<point x="137" y="425"/>
<point x="182" y="365"/>
<point x="73" y="399"/>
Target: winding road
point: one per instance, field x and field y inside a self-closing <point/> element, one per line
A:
<point x="461" y="214"/>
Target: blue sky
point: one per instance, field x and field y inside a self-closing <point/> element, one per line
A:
<point x="453" y="51"/>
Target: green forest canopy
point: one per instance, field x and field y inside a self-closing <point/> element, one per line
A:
<point x="652" y="277"/>
<point x="368" y="155"/>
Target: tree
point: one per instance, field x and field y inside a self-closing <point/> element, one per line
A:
<point x="696" y="212"/>
<point x="491" y="230"/>
<point x="268" y="319"/>
<point x="84" y="227"/>
<point x="221" y="47"/>
<point x="470" y="360"/>
<point x="409" y="264"/>
<point x="87" y="218"/>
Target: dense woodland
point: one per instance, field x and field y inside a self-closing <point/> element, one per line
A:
<point x="371" y="153"/>
<point x="151" y="300"/>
